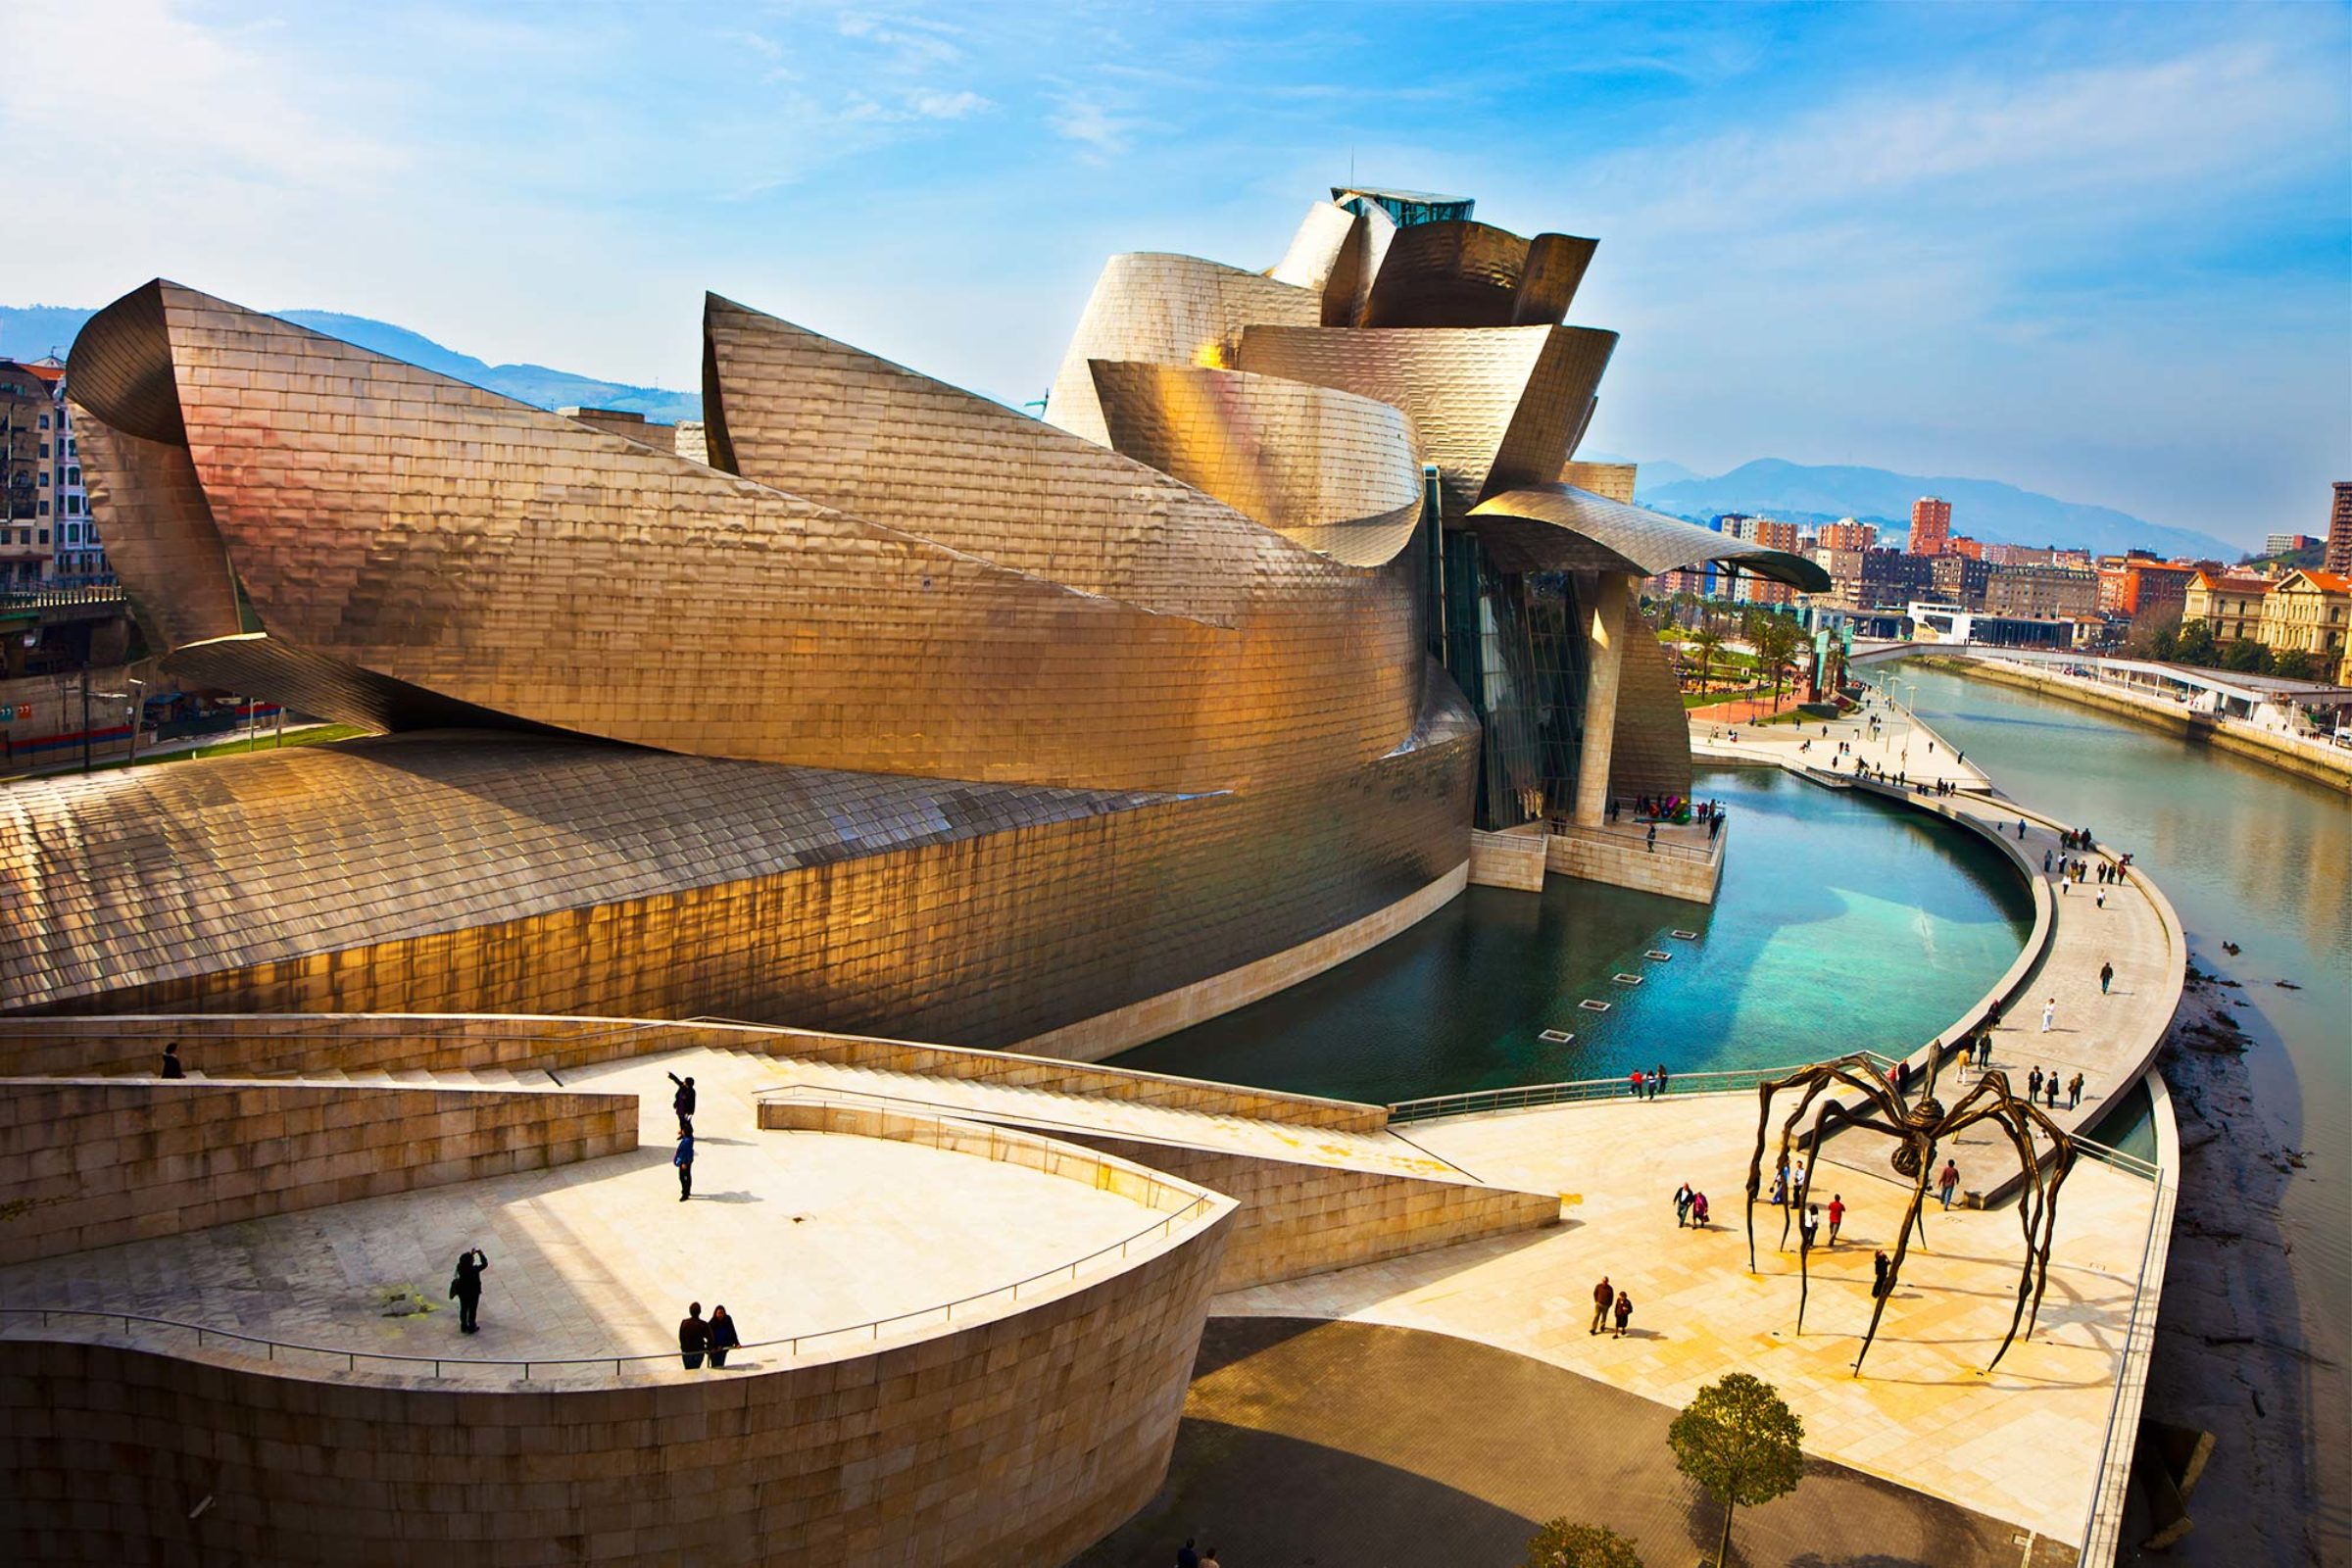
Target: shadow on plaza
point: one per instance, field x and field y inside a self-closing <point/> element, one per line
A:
<point x="1328" y="1443"/>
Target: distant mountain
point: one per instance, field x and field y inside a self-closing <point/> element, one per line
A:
<point x="1982" y="509"/>
<point x="30" y="331"/>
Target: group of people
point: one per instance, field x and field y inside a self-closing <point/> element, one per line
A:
<point x="2046" y="1086"/>
<point x="700" y="1337"/>
<point x="1941" y="786"/>
<point x="683" y="1103"/>
<point x="1689" y="1207"/>
<point x="1608" y="1301"/>
<point x="1188" y="1556"/>
<point x="1650" y="1085"/>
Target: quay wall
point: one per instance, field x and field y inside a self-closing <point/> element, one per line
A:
<point x="2243" y="740"/>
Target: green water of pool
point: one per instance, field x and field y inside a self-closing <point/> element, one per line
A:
<point x="1842" y="923"/>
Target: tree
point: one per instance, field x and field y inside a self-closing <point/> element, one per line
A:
<point x="2245" y="657"/>
<point x="2155" y="633"/>
<point x="2297" y="664"/>
<point x="1741" y="1441"/>
<point x="1775" y="641"/>
<point x="2195" y="644"/>
<point x="1561" y="1545"/>
<point x="1707" y="640"/>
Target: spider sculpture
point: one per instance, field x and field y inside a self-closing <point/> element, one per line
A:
<point x="1917" y="1128"/>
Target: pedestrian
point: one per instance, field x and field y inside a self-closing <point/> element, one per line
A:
<point x="466" y="1288"/>
<point x="1949" y="1181"/>
<point x="1633" y="1083"/>
<point x="2053" y="1089"/>
<point x="1902" y="1076"/>
<point x="1809" y="1227"/>
<point x="2050" y="1015"/>
<point x="1796" y="1184"/>
<point x="1682" y="1206"/>
<point x="722" y="1336"/>
<point x="1210" y="1560"/>
<point x="1604" y="1297"/>
<point x="2021" y="827"/>
<point x="1625" y="1312"/>
<point x="2074" y="1091"/>
<point x="172" y="1067"/>
<point x="683" y="1102"/>
<point x="1698" y="1210"/>
<point x="1186" y="1556"/>
<point x="2033" y="1085"/>
<point x="1836" y="1215"/>
<point x="1878" y="1264"/>
<point x="2100" y="898"/>
<point x="1653" y="838"/>
<point x="2106" y="977"/>
<point x="1715" y="825"/>
<point x="694" y="1337"/>
<point x="1658" y="1081"/>
<point x="2063" y="884"/>
<point x="1779" y="1187"/>
<point x="2045" y="862"/>
<point x="684" y="1160"/>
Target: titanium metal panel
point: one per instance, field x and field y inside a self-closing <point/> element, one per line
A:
<point x="1327" y="256"/>
<point x="1166" y="310"/>
<point x="1337" y="473"/>
<point x="1649" y="750"/>
<point x="1645" y="543"/>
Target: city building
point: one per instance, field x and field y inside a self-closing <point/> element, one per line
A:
<point x="2338" y="557"/>
<point x="1960" y="579"/>
<point x="2041" y="593"/>
<point x="78" y="557"/>
<point x="1931" y="525"/>
<point x="26" y="437"/>
<point x="2229" y="603"/>
<point x="1888" y="578"/>
<point x="1848" y="534"/>
<point x="1779" y="537"/>
<point x="1962" y="545"/>
<point x="2308" y="613"/>
<point x="2139" y="584"/>
<point x="2286" y="544"/>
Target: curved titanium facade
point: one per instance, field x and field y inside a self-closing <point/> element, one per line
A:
<point x="907" y="713"/>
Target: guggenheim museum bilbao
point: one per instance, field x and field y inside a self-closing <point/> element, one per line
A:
<point x="890" y="713"/>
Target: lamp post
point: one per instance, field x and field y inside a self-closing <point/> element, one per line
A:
<point x="138" y="713"/>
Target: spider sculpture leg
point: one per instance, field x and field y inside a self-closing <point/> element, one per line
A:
<point x="1902" y="1241"/>
<point x="1846" y="1071"/>
<point x="1824" y="1123"/>
<point x="2037" y="1205"/>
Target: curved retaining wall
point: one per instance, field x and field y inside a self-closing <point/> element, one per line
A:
<point x="1022" y="1439"/>
<point x="97" y="1161"/>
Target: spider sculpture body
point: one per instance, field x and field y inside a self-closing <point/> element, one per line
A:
<point x="1918" y="1125"/>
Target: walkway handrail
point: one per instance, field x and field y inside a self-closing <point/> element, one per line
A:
<point x="792" y="1342"/>
<point x="2103" y="1529"/>
<point x="1476" y="1101"/>
<point x="1706" y="853"/>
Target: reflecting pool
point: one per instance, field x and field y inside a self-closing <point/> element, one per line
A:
<point x="1843" y="922"/>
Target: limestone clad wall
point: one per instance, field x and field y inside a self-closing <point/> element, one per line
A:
<point x="1018" y="1440"/>
<point x="1297" y="1219"/>
<point x="95" y="1163"/>
<point x="1628" y="862"/>
<point x="290" y="1043"/>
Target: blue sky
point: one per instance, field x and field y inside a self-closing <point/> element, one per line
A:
<point x="2104" y="252"/>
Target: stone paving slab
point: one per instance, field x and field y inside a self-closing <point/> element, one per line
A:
<point x="2022" y="1445"/>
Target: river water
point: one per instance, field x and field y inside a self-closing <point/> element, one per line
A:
<point x="1843" y="922"/>
<point x="2247" y="855"/>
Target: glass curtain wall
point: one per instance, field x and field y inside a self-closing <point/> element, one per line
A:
<point x="1515" y="645"/>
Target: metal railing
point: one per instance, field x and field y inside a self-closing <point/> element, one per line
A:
<point x="2103" y="1529"/>
<point x="1525" y="1097"/>
<point x="1636" y="841"/>
<point x="57" y="598"/>
<point x="872" y="1327"/>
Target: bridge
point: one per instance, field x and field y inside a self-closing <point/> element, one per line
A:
<point x="2230" y="693"/>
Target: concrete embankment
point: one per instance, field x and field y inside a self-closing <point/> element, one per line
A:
<point x="2171" y="719"/>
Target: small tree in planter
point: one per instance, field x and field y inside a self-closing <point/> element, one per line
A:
<point x="1561" y="1545"/>
<point x="1741" y="1441"/>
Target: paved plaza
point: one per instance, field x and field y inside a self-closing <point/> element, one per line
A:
<point x="795" y="1232"/>
<point x="1315" y="1442"/>
<point x="2023" y="1445"/>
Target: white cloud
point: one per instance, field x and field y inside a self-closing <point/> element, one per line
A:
<point x="1092" y="121"/>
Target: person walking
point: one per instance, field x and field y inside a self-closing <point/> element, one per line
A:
<point x="1604" y="1297"/>
<point x="1809" y="1229"/>
<point x="2045" y="862"/>
<point x="2034" y="1086"/>
<point x="1698" y="1210"/>
<point x="2050" y="1015"/>
<point x="1715" y="825"/>
<point x="1208" y="1559"/>
<point x="2099" y="899"/>
<point x="1633" y="1083"/>
<point x="2074" y="1091"/>
<point x="2106" y="977"/>
<point x="2052" y="1086"/>
<point x="1682" y="1206"/>
<point x="1779" y="1187"/>
<point x="1625" y="1312"/>
<point x="172" y="1067"/>
<point x="1878" y="1265"/>
<point x="684" y="1160"/>
<point x="1836" y="1215"/>
<point x="683" y="1102"/>
<point x="1658" y="1081"/>
<point x="1797" y="1183"/>
<point x="466" y="1288"/>
<point x="1653" y="838"/>
<point x="723" y="1336"/>
<point x="694" y="1337"/>
<point x="1186" y="1556"/>
<point x="1949" y="1181"/>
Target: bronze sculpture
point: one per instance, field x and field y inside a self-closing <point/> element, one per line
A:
<point x="1918" y="1127"/>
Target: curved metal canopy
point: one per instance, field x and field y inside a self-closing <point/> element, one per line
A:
<point x="1558" y="526"/>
